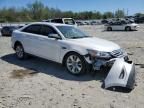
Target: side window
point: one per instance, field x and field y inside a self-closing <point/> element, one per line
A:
<point x="123" y="22"/>
<point x="115" y="23"/>
<point x="118" y="23"/>
<point x="6" y="28"/>
<point x="57" y="21"/>
<point x="46" y="30"/>
<point x="35" y="29"/>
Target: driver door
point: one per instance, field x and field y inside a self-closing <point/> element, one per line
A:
<point x="118" y="26"/>
<point x="49" y="47"/>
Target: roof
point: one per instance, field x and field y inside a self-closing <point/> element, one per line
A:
<point x="52" y="24"/>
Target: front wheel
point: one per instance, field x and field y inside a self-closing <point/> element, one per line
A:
<point x="128" y="29"/>
<point x="75" y="64"/>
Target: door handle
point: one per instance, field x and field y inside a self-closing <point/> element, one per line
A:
<point x="63" y="47"/>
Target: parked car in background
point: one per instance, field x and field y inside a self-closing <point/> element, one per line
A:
<point x="121" y="25"/>
<point x="69" y="21"/>
<point x="86" y="22"/>
<point x="104" y="21"/>
<point x="49" y="20"/>
<point x="7" y="30"/>
<point x="79" y="23"/>
<point x="20" y="26"/>
<point x="93" y="23"/>
<point x="139" y="19"/>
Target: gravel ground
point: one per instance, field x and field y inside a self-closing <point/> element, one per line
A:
<point x="38" y="83"/>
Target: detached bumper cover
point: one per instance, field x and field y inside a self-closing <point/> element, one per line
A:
<point x="131" y="79"/>
<point x="121" y="74"/>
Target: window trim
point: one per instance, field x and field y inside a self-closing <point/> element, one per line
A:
<point x="29" y="26"/>
<point x="22" y="30"/>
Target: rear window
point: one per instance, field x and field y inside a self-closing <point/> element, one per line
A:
<point x="57" y="21"/>
<point x="69" y="21"/>
<point x="32" y="29"/>
<point x="46" y="30"/>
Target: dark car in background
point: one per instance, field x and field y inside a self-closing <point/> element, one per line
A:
<point x="7" y="30"/>
<point x="79" y="23"/>
<point x="104" y="21"/>
<point x="139" y="19"/>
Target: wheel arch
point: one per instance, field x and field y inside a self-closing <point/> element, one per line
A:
<point x="16" y="43"/>
<point x="127" y="27"/>
<point x="109" y="28"/>
<point x="68" y="53"/>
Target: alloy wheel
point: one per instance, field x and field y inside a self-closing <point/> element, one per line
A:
<point x="74" y="64"/>
<point x="19" y="51"/>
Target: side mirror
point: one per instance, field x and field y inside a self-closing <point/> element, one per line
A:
<point x="55" y="36"/>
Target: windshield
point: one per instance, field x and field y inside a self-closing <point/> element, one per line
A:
<point x="71" y="32"/>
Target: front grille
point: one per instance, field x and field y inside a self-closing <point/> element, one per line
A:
<point x="117" y="53"/>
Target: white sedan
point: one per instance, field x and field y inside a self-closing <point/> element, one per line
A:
<point x="121" y="26"/>
<point x="79" y="52"/>
<point x="65" y="44"/>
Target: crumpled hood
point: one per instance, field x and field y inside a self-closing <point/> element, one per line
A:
<point x="95" y="44"/>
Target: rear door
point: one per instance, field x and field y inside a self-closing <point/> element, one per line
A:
<point x="119" y="26"/>
<point x="30" y="39"/>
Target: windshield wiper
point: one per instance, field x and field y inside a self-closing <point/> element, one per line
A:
<point x="75" y="37"/>
<point x="86" y="36"/>
<point x="79" y="37"/>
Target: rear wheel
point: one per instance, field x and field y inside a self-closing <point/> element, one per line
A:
<point x="20" y="51"/>
<point x="75" y="64"/>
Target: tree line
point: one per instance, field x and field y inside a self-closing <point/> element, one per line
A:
<point x="37" y="11"/>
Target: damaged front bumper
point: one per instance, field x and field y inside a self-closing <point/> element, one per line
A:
<point x="121" y="74"/>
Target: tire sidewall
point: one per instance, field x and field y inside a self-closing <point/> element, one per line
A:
<point x="19" y="45"/>
<point x="109" y="29"/>
<point x="83" y="70"/>
<point x="128" y="28"/>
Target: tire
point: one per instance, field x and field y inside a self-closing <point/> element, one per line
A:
<point x="109" y="29"/>
<point x="20" y="52"/>
<point x="128" y="29"/>
<point x="75" y="64"/>
<point x="2" y="34"/>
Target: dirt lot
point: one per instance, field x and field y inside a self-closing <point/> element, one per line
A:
<point x="38" y="83"/>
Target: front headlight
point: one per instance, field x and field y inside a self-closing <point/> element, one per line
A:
<point x="99" y="54"/>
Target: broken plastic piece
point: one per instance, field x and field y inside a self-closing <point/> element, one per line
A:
<point x="122" y="74"/>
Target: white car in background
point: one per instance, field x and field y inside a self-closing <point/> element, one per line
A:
<point x="69" y="21"/>
<point x="121" y="25"/>
<point x="74" y="49"/>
